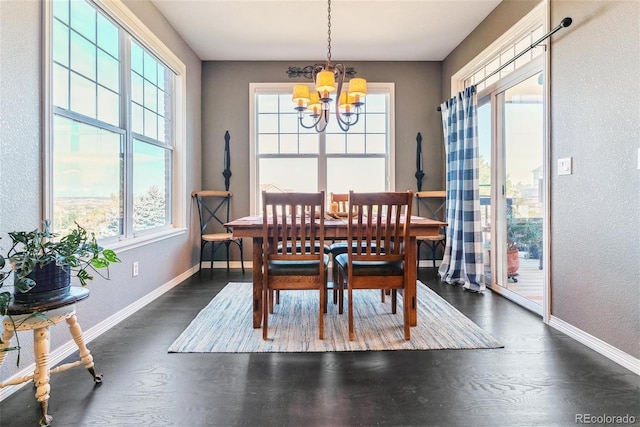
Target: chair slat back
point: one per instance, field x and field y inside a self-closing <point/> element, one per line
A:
<point x="378" y="225"/>
<point x="213" y="209"/>
<point x="298" y="221"/>
<point x="342" y="200"/>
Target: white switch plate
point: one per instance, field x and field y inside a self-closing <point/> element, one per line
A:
<point x="564" y="166"/>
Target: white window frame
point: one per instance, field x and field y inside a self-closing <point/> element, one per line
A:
<point x="483" y="63"/>
<point x="256" y="88"/>
<point x="117" y="11"/>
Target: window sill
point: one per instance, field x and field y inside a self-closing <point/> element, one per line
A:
<point x="145" y="239"/>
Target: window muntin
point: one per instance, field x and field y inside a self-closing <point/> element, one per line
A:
<point x="278" y="131"/>
<point x="292" y="158"/>
<point x="128" y="190"/>
<point x="509" y="52"/>
<point x="150" y="94"/>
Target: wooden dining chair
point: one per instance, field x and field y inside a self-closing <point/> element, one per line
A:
<point x="434" y="202"/>
<point x="378" y="230"/>
<point x="213" y="212"/>
<point x="341" y="201"/>
<point x="290" y="220"/>
<point x="339" y="204"/>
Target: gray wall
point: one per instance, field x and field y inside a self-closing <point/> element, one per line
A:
<point x="595" y="112"/>
<point x="595" y="118"/>
<point x="21" y="171"/>
<point x="225" y="106"/>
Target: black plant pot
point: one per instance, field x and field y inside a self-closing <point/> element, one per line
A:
<point x="52" y="284"/>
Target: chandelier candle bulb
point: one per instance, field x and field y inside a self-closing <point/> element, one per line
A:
<point x="314" y="104"/>
<point x="345" y="103"/>
<point x="301" y="96"/>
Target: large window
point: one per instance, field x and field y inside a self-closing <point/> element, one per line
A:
<point x="113" y="136"/>
<point x="288" y="157"/>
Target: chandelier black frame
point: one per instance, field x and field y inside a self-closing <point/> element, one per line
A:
<point x="307" y="72"/>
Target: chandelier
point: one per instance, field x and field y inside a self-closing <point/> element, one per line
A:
<point x="318" y="100"/>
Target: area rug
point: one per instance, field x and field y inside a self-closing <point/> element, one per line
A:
<point x="225" y="325"/>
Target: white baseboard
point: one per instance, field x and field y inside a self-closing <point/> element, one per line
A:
<point x="596" y="344"/>
<point x="70" y="347"/>
<point x="429" y="263"/>
<point x="223" y="264"/>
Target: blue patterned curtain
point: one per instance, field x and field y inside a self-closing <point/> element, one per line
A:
<point x="462" y="262"/>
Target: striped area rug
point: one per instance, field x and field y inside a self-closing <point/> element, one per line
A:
<point x="225" y="325"/>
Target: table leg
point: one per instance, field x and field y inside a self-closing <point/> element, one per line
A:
<point x="412" y="279"/>
<point x="85" y="355"/>
<point x="41" y="375"/>
<point x="257" y="282"/>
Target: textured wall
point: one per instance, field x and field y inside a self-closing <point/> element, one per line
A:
<point x="19" y="116"/>
<point x="20" y="170"/>
<point x="20" y="206"/>
<point x="595" y="118"/>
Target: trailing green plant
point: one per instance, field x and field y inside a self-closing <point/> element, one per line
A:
<point x="77" y="252"/>
<point x="524" y="233"/>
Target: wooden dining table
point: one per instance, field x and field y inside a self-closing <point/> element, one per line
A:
<point x="335" y="229"/>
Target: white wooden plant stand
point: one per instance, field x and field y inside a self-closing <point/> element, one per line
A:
<point x="20" y="318"/>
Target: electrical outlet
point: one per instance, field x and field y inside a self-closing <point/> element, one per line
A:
<point x="564" y="166"/>
<point x="134" y="269"/>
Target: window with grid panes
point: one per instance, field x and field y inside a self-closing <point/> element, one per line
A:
<point x="112" y="133"/>
<point x="289" y="157"/>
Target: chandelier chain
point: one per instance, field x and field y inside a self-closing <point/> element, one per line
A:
<point x="328" y="79"/>
<point x="329" y="31"/>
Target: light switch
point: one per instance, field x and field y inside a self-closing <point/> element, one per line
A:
<point x="564" y="166"/>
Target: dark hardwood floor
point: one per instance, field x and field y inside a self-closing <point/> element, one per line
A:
<point x="540" y="378"/>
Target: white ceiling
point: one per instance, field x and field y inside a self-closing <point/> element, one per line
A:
<point x="361" y="30"/>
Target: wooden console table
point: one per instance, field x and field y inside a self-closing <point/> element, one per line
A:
<point x="22" y="318"/>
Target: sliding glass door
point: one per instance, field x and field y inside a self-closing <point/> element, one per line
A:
<point x="512" y="185"/>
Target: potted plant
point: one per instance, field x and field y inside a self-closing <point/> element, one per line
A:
<point x="43" y="263"/>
